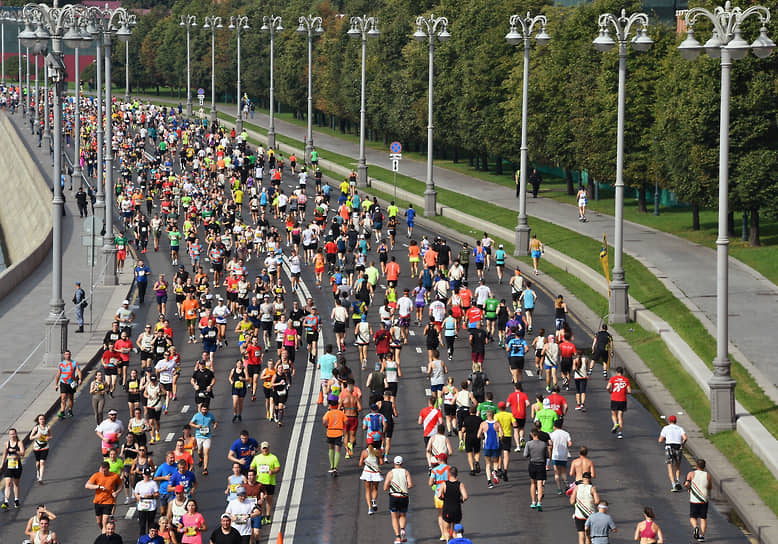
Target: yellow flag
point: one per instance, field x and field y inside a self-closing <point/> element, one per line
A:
<point x="604" y="258"/>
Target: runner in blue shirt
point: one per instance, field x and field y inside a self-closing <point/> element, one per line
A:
<point x="204" y="423"/>
<point x="243" y="451"/>
<point x="410" y="214"/>
<point x="516" y="348"/>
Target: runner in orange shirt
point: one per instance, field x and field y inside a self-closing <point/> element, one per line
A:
<point x="190" y="307"/>
<point x="413" y="257"/>
<point x="392" y="271"/>
<point x="335" y="422"/>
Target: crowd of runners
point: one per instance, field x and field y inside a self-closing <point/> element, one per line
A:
<point x="237" y="241"/>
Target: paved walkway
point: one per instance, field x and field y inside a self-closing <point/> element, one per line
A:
<point x="690" y="267"/>
<point x="23" y="312"/>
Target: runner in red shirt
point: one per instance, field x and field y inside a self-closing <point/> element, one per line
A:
<point x="429" y="418"/>
<point x="382" y="339"/>
<point x="618" y="386"/>
<point x="518" y="401"/>
<point x="254" y="364"/>
<point x="558" y="403"/>
<point x="392" y="271"/>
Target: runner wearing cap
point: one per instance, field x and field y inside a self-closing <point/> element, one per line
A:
<point x="674" y="438"/>
<point x="438" y="475"/>
<point x="239" y="509"/>
<point x="146" y="494"/>
<point x="397" y="482"/>
<point x="459" y="535"/>
<point x="267" y="466"/>
<point x="335" y="423"/>
<point x="371" y="460"/>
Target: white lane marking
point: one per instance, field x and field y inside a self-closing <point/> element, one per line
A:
<point x="297" y="463"/>
<point x="130" y="513"/>
<point x="169" y="437"/>
<point x="412" y="333"/>
<point x="418" y="350"/>
<point x="184" y="408"/>
<point x="529" y="373"/>
<point x="428" y="392"/>
<point x="424" y="369"/>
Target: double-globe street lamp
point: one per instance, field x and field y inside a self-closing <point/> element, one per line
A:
<point x="272" y="24"/>
<point x="213" y="22"/>
<point x="103" y="25"/>
<point x="239" y="23"/>
<point x="312" y="26"/>
<point x="726" y="43"/>
<point x="363" y="27"/>
<point x="188" y="21"/>
<point x="521" y="32"/>
<point x="622" y="25"/>
<point x="50" y="25"/>
<point x="429" y="29"/>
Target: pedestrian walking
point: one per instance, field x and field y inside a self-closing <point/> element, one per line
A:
<point x="699" y="484"/>
<point x="79" y="300"/>
<point x="81" y="200"/>
<point x="674" y="437"/>
<point x="582" y="197"/>
<point x="535" y="180"/>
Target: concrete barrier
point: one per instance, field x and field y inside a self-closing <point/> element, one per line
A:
<point x="25" y="209"/>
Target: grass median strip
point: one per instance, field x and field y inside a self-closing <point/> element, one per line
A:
<point x="644" y="286"/>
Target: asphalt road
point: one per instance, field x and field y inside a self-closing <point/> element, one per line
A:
<point x="314" y="507"/>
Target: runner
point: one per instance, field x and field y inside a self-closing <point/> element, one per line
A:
<point x="602" y="349"/>
<point x="453" y="493"/>
<point x="40" y="436"/>
<point x="371" y="460"/>
<point x="266" y="466"/>
<point x="674" y="438"/>
<point x="11" y="465"/>
<point x="107" y="487"/>
<point x="398" y="482"/>
<point x="699" y="484"/>
<point x="584" y="497"/>
<point x="619" y="387"/>
<point x="335" y="423"/>
<point x="204" y="424"/>
<point x="67" y="380"/>
<point x="536" y="250"/>
<point x="536" y="451"/>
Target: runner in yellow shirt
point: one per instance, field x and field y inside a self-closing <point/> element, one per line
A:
<point x="507" y="422"/>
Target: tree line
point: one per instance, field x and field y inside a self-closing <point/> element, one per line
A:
<point x="672" y="105"/>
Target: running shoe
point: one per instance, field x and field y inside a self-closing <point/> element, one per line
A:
<point x="620" y="435"/>
<point x="491" y="485"/>
<point x="678" y="486"/>
<point x="539" y="507"/>
<point x="370" y="511"/>
<point x="16" y="503"/>
<point x="495" y="478"/>
<point x="615" y="428"/>
<point x="478" y="467"/>
<point x="461" y="445"/>
<point x="578" y="407"/>
<point x="522" y="443"/>
<point x="533" y="505"/>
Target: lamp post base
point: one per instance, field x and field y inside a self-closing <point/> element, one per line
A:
<point x="722" y="403"/>
<point x="522" y="241"/>
<point x="238" y="126"/>
<point x="308" y="149"/>
<point x="214" y="115"/>
<point x="271" y="139"/>
<point x="362" y="180"/>
<point x="430" y="202"/>
<point x="110" y="277"/>
<point x="618" y="305"/>
<point x="189" y="108"/>
<point x="57" y="339"/>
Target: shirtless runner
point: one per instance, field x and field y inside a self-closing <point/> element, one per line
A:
<point x="581" y="464"/>
<point x="351" y="406"/>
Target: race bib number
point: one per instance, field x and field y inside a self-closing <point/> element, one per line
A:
<point x="132" y="385"/>
<point x="13" y="463"/>
<point x="239" y="385"/>
<point x="264" y="469"/>
<point x="191" y="531"/>
<point x="137" y="429"/>
<point x="144" y="505"/>
<point x="205" y="430"/>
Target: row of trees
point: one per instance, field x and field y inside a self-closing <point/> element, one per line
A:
<point x="672" y="104"/>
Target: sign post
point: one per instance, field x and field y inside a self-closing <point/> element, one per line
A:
<point x="395" y="154"/>
<point x="201" y="98"/>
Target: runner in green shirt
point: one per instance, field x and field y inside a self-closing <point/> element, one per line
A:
<point x="486" y="405"/>
<point x="267" y="466"/>
<point x="490" y="311"/>
<point x="547" y="417"/>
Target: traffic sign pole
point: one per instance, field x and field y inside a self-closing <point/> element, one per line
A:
<point x="395" y="155"/>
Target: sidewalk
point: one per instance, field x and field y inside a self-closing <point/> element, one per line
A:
<point x="27" y="385"/>
<point x="753" y="298"/>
